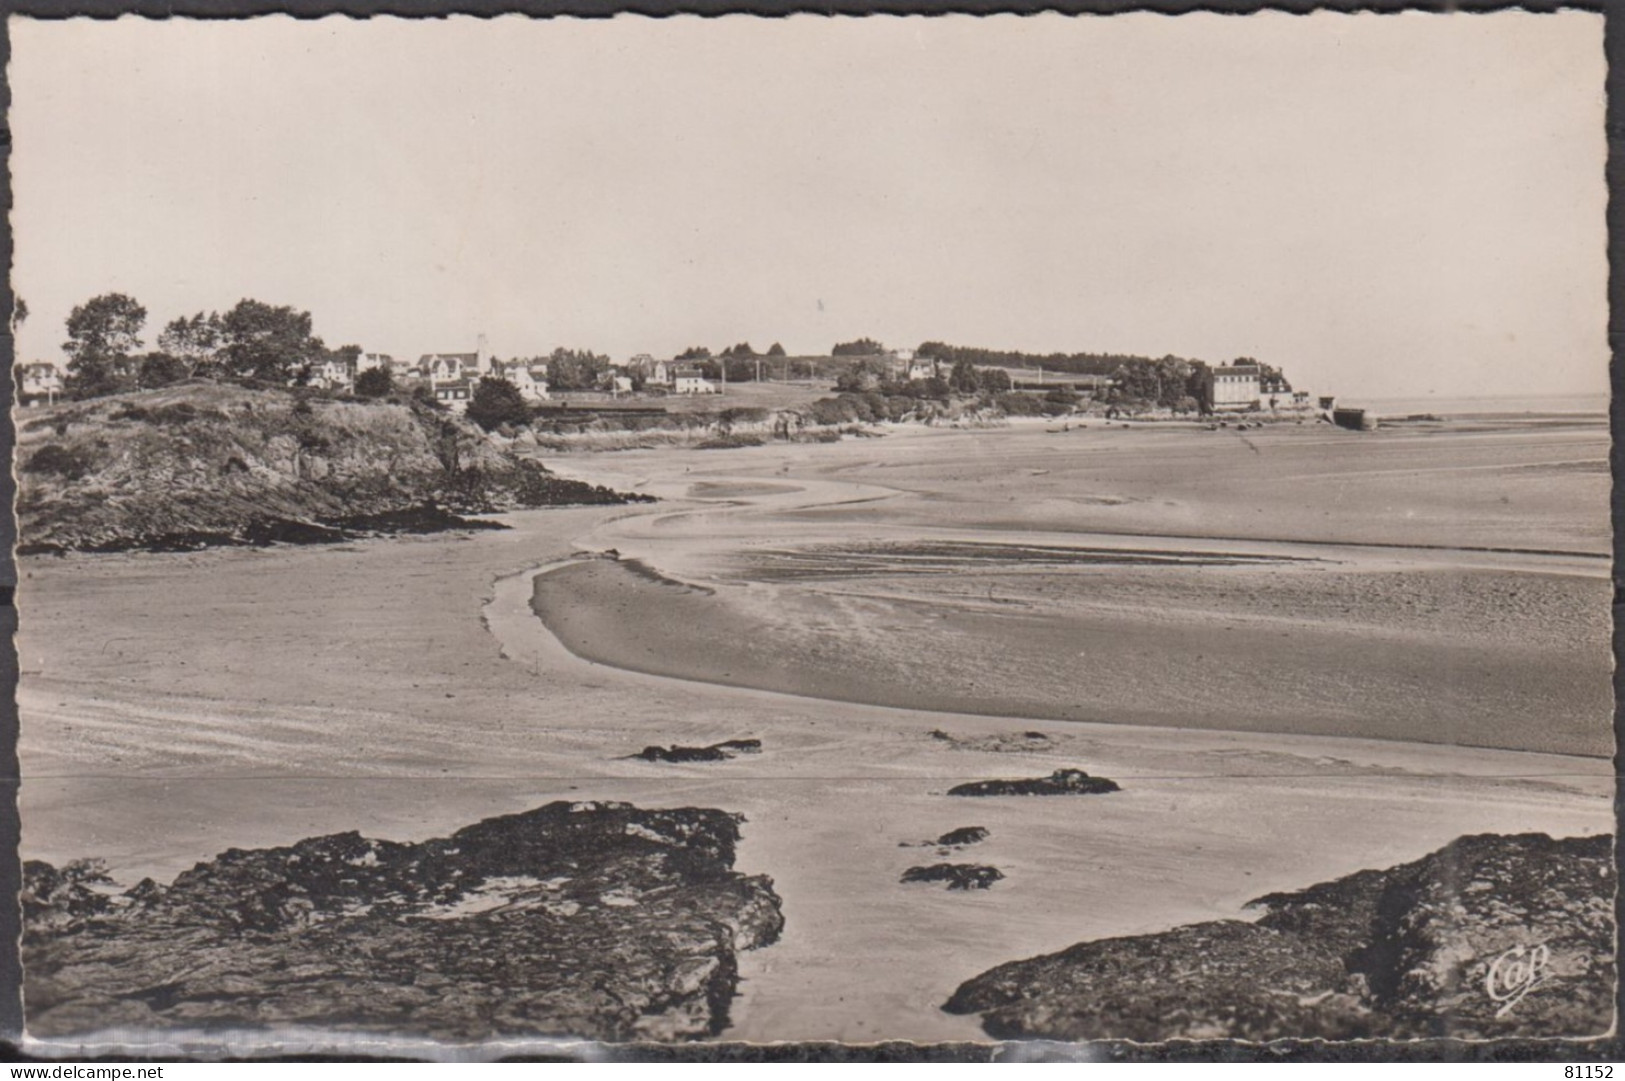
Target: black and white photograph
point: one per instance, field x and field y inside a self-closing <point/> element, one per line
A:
<point x="548" y="534"/>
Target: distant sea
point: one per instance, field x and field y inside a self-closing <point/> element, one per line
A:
<point x="1467" y="406"/>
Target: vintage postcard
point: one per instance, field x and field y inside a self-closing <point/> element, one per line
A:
<point x="811" y="529"/>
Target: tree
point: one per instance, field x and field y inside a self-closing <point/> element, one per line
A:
<point x="161" y="369"/>
<point x="496" y="402"/>
<point x="742" y="349"/>
<point x="195" y="339"/>
<point x="864" y="375"/>
<point x="575" y="369"/>
<point x="1158" y="382"/>
<point x="963" y="378"/>
<point x="265" y="342"/>
<point x="863" y="347"/>
<point x="775" y="350"/>
<point x="741" y="368"/>
<point x="695" y="352"/>
<point x="374" y="383"/>
<point x="996" y="380"/>
<point x="19" y="313"/>
<point x="103" y="333"/>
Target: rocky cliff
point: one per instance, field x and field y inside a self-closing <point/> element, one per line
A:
<point x="201" y="464"/>
<point x="1491" y="936"/>
<point x="594" y="920"/>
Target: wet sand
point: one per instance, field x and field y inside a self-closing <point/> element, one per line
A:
<point x="177" y="705"/>
<point x="1348" y="620"/>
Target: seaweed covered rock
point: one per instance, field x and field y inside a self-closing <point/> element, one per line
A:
<point x="595" y="920"/>
<point x="958" y="876"/>
<point x="1063" y="782"/>
<point x="952" y="841"/>
<point x="1491" y="936"/>
<point x="715" y="752"/>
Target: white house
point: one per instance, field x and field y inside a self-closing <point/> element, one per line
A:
<point x="523" y="377"/>
<point x="455" y="394"/>
<point x="446" y="367"/>
<point x="922" y="368"/>
<point x="686" y="379"/>
<point x="332" y="372"/>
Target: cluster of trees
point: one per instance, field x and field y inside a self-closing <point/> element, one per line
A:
<point x="862" y="347"/>
<point x="871" y="374"/>
<point x="1071" y="363"/>
<point x="737" y="351"/>
<point x="574" y="369"/>
<point x="966" y="378"/>
<point x="252" y="341"/>
<point x="869" y="406"/>
<point x="1172" y="382"/>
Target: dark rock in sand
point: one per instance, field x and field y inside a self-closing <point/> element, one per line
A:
<point x="959" y="876"/>
<point x="951" y="841"/>
<point x="594" y="920"/>
<point x="716" y="752"/>
<point x="1063" y="782"/>
<point x="1489" y="937"/>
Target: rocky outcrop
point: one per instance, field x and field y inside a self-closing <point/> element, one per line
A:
<point x="1491" y="936"/>
<point x="201" y="465"/>
<point x="595" y="920"/>
<point x="1063" y="782"/>
<point x="715" y="752"/>
<point x="958" y="876"/>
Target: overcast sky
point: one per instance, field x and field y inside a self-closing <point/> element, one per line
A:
<point x="1382" y="205"/>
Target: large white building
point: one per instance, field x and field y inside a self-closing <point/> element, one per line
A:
<point x="1234" y="387"/>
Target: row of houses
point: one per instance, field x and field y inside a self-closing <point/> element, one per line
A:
<point x="453" y="377"/>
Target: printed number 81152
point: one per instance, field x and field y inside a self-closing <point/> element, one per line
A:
<point x="1589" y="1073"/>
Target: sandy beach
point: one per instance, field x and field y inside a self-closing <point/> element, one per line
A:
<point x="1381" y="643"/>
